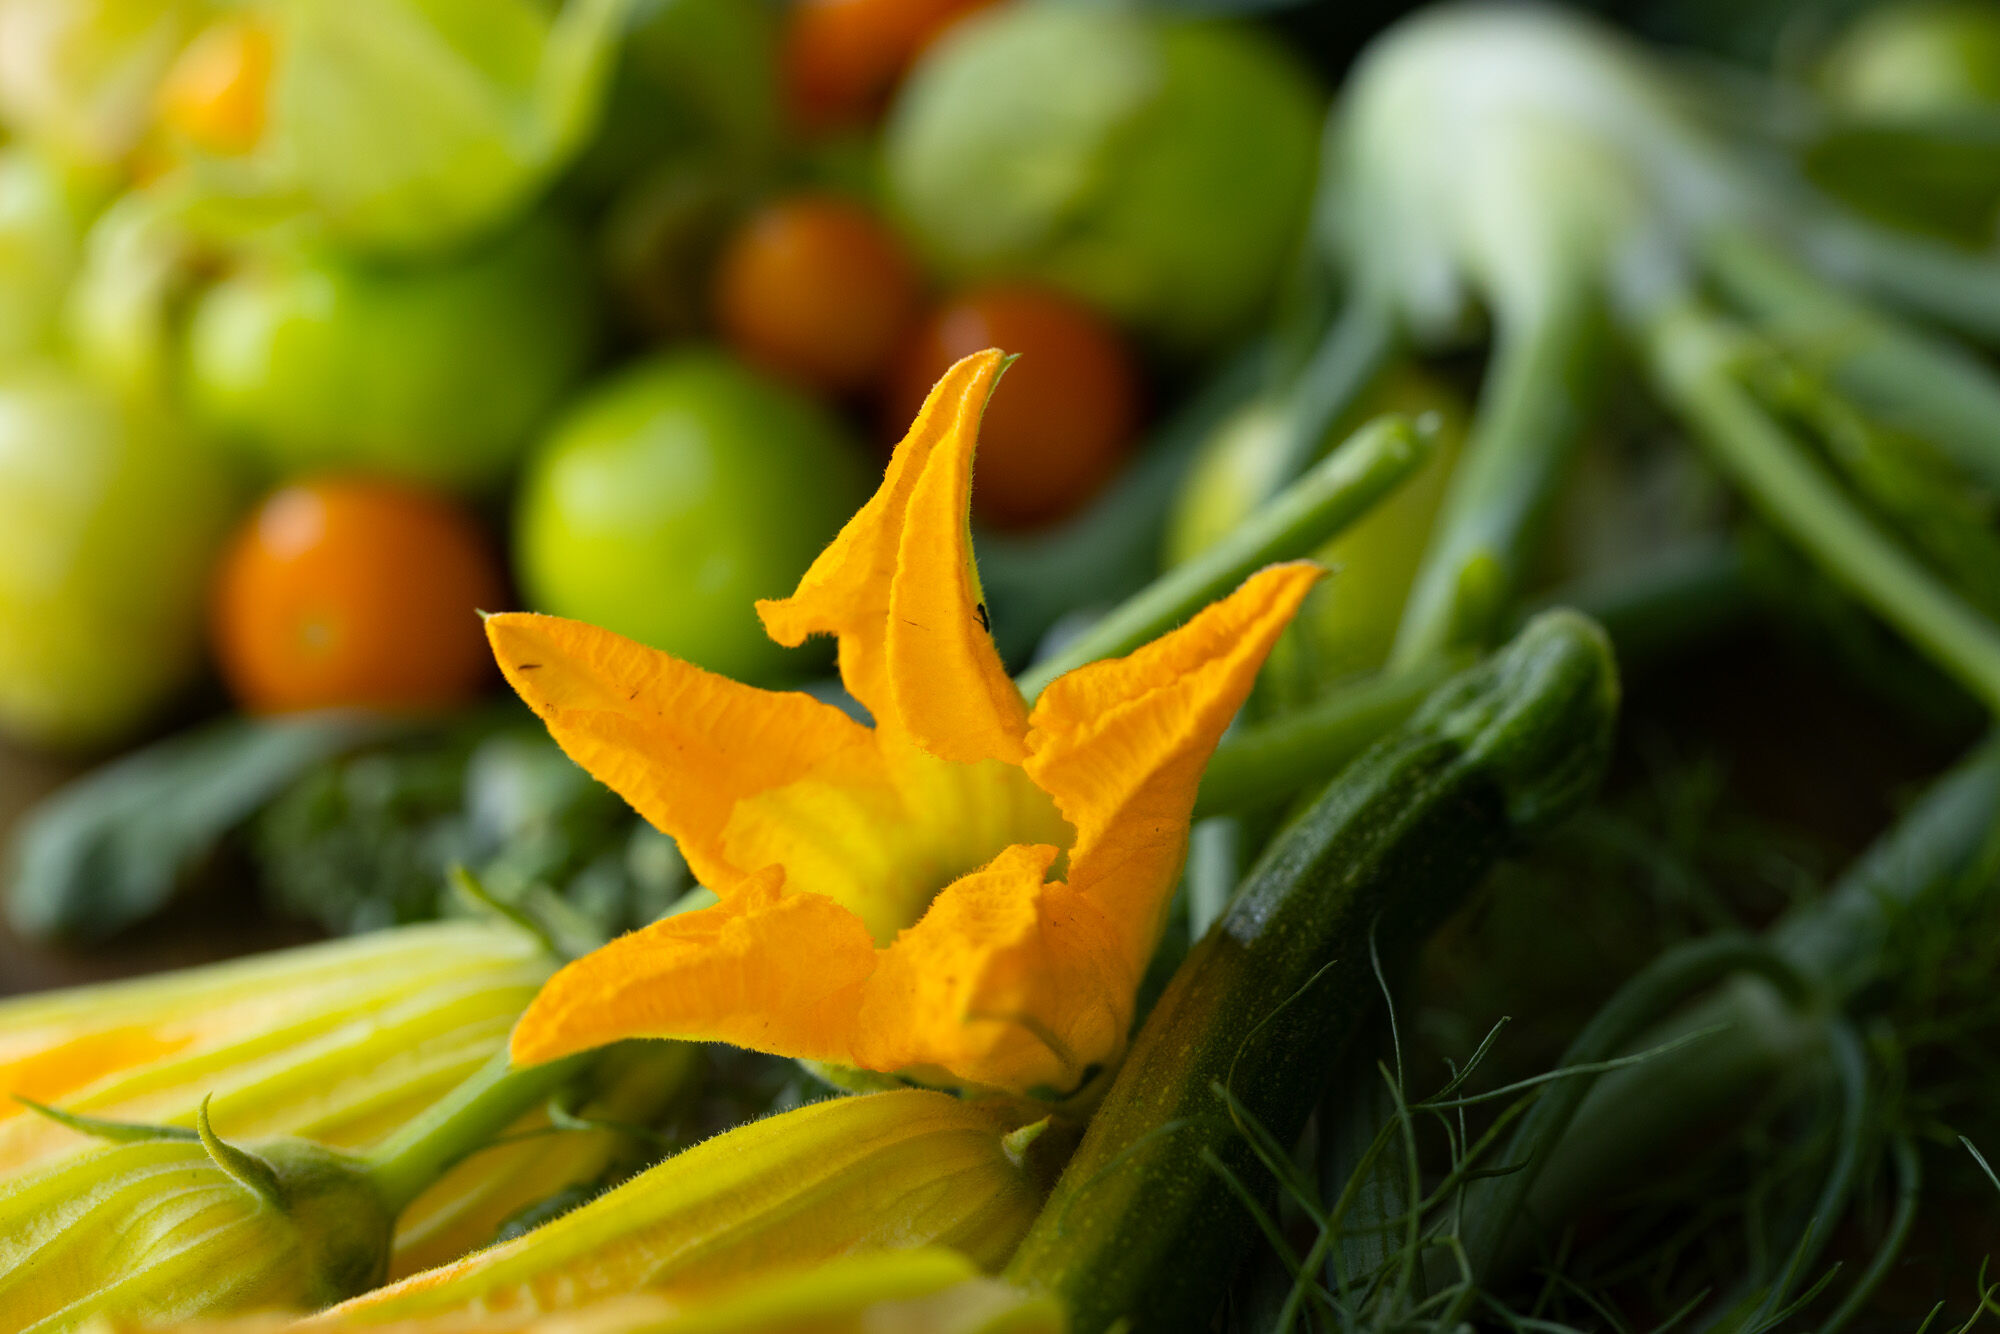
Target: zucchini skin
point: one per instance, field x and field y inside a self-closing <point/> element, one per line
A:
<point x="1139" y="1228"/>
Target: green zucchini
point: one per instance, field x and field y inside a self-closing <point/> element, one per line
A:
<point x="1140" y="1227"/>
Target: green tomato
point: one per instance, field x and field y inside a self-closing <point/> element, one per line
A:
<point x="673" y="497"/>
<point x="110" y="517"/>
<point x="439" y="373"/>
<point x="1159" y="170"/>
<point x="1348" y="624"/>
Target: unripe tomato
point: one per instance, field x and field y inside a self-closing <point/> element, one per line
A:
<point x="1061" y="421"/>
<point x="672" y="498"/>
<point x="818" y="290"/>
<point x="110" y="518"/>
<point x="436" y="372"/>
<point x="355" y="592"/>
<point x="842" y="58"/>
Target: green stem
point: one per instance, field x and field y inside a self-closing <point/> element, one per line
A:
<point x="1337" y="491"/>
<point x="463" y="1122"/>
<point x="1905" y="378"/>
<point x="1957" y="288"/>
<point x="1532" y="411"/>
<point x="1492" y="1207"/>
<point x="1356" y="347"/>
<point x="1691" y="353"/>
<point x="1838" y="941"/>
<point x="1909" y="1185"/>
<point x="1274" y="760"/>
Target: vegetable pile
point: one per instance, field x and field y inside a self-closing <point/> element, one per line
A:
<point x="999" y="665"/>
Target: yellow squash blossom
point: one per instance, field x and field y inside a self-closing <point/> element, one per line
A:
<point x="965" y="892"/>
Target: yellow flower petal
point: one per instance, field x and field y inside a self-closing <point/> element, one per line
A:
<point x="1009" y="981"/>
<point x="1121" y="745"/>
<point x="684" y="746"/>
<point x="899" y="587"/>
<point x="762" y="969"/>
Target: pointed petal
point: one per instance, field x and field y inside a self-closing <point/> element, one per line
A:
<point x="684" y="746"/>
<point x="762" y="969"/>
<point x="1121" y="744"/>
<point x="899" y="588"/>
<point x="1007" y="981"/>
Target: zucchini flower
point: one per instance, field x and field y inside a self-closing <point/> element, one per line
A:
<point x="881" y="1171"/>
<point x="339" y="1042"/>
<point x="966" y="892"/>
<point x="344" y="1043"/>
<point x="927" y="1291"/>
<point x="174" y="1225"/>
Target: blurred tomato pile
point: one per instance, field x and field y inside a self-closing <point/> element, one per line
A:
<point x="322" y="326"/>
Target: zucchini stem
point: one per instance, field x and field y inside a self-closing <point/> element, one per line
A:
<point x="1337" y="491"/>
<point x="1692" y="354"/>
<point x="463" y="1122"/>
<point x="1260" y="765"/>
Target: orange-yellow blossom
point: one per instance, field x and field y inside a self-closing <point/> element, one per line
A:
<point x="966" y="892"/>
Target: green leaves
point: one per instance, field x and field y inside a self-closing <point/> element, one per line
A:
<point x="112" y="848"/>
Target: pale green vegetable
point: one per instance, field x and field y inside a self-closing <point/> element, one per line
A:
<point x="1157" y="169"/>
<point x="408" y="125"/>
<point x="1535" y="168"/>
<point x="109" y="517"/>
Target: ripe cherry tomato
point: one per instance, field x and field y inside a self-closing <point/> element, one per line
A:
<point x="345" y="592"/>
<point x="1062" y="419"/>
<point x="216" y="91"/>
<point x="842" y="58"/>
<point x="818" y="290"/>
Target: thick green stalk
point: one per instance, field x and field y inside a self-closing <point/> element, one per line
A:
<point x="1532" y="410"/>
<point x="1691" y="354"/>
<point x="1906" y="379"/>
<point x="463" y="1122"/>
<point x="1337" y="491"/>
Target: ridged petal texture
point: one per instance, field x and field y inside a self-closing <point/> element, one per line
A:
<point x="933" y="1290"/>
<point x="882" y="1171"/>
<point x="341" y="1042"/>
<point x="966" y="892"/>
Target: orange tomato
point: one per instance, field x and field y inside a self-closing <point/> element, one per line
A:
<point x="1062" y="419"/>
<point x="215" y="92"/>
<point x="816" y="289"/>
<point x="354" y="592"/>
<point x="842" y="58"/>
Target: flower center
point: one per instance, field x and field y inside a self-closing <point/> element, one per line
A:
<point x="883" y="849"/>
